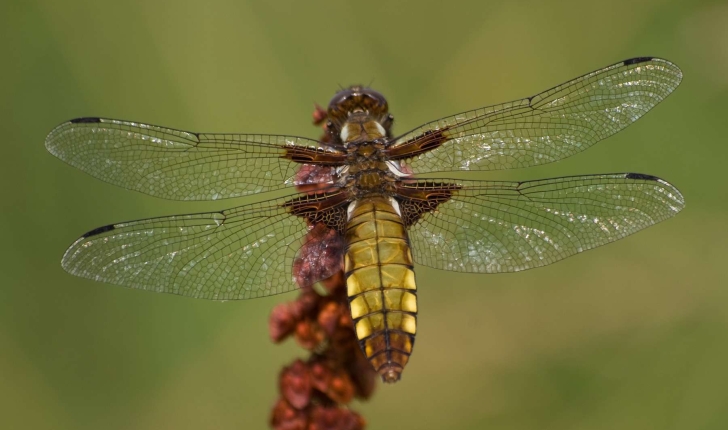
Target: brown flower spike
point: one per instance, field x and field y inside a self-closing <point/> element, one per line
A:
<point x="314" y="393"/>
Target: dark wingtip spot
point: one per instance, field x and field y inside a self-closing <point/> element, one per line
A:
<point x="99" y="230"/>
<point x="637" y="60"/>
<point x="641" y="176"/>
<point x="86" y="120"/>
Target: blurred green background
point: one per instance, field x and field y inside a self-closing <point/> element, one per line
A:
<point x="630" y="336"/>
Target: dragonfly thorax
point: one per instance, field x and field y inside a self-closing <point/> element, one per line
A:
<point x="369" y="176"/>
<point x="361" y="128"/>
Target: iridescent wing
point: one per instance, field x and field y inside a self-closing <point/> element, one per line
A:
<point x="239" y="253"/>
<point x="182" y="165"/>
<point x="495" y="227"/>
<point x="544" y="128"/>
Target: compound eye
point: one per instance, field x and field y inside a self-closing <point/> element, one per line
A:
<point x="340" y="99"/>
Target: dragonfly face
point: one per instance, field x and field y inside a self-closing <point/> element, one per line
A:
<point x="358" y="100"/>
<point x="358" y="203"/>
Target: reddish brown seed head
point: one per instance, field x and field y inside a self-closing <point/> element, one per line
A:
<point x="286" y="417"/>
<point x="335" y="418"/>
<point x="295" y="384"/>
<point x="282" y="322"/>
<point x="319" y="114"/>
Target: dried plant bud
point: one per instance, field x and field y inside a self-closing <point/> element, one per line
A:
<point x="331" y="379"/>
<point x="306" y="304"/>
<point x="329" y="316"/>
<point x="345" y="320"/>
<point x="282" y="322"/>
<point x="341" y="388"/>
<point x="320" y="373"/>
<point x="320" y="256"/>
<point x="342" y="342"/>
<point x="335" y="418"/>
<point x="286" y="417"/>
<point x="295" y="384"/>
<point x="309" y="335"/>
<point x="319" y="114"/>
<point x="333" y="284"/>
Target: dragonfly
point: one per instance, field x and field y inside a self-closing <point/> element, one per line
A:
<point x="358" y="188"/>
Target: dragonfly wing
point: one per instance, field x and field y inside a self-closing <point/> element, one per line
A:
<point x="182" y="165"/>
<point x="239" y="253"/>
<point x="495" y="227"/>
<point x="544" y="128"/>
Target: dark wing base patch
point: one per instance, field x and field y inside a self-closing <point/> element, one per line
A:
<point x="418" y="199"/>
<point x="328" y="209"/>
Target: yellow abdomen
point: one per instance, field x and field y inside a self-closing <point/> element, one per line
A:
<point x="381" y="285"/>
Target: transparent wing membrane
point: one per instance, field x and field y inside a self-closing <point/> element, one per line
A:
<point x="544" y="128"/>
<point x="239" y="253"/>
<point x="174" y="164"/>
<point x="495" y="227"/>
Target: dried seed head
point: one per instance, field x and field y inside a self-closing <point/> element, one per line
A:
<point x="286" y="417"/>
<point x="282" y="322"/>
<point x="319" y="114"/>
<point x="308" y="334"/>
<point x="295" y="384"/>
<point x="335" y="418"/>
<point x="329" y="316"/>
<point x="314" y="393"/>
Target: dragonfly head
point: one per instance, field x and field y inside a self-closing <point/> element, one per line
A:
<point x="358" y="100"/>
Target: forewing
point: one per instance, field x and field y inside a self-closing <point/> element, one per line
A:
<point x="494" y="227"/>
<point x="544" y="128"/>
<point x="239" y="253"/>
<point x="182" y="165"/>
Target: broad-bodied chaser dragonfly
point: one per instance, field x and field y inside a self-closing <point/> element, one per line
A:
<point x="378" y="216"/>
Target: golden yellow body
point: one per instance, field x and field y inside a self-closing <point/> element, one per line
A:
<point x="381" y="285"/>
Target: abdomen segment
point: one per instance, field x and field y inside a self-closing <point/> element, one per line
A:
<point x="381" y="285"/>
